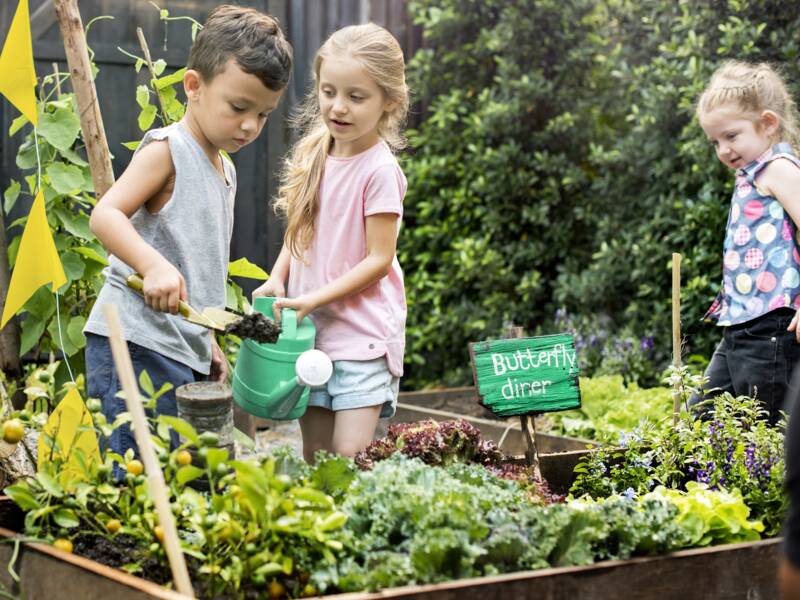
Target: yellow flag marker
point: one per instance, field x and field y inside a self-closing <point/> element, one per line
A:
<point x="71" y="427"/>
<point x="37" y="262"/>
<point x="17" y="75"/>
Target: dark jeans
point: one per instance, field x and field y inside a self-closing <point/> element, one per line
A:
<point x="103" y="383"/>
<point x="755" y="359"/>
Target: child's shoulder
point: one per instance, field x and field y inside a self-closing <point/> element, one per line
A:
<point x="780" y="171"/>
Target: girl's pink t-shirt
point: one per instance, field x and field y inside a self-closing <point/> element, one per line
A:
<point x="370" y="323"/>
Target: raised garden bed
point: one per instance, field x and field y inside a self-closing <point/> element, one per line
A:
<point x="728" y="572"/>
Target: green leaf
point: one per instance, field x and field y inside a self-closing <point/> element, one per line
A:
<point x="50" y="485"/>
<point x="60" y="128"/>
<point x="75" y="223"/>
<point x="187" y="473"/>
<point x="215" y="457"/>
<point x="65" y="178"/>
<point x="244" y="268"/>
<point x="17" y="124"/>
<point x="59" y="335"/>
<point x="73" y="157"/>
<point x="131" y="145"/>
<point x="75" y="331"/>
<point x="65" y="517"/>
<point x="146" y="384"/>
<point x="73" y="266"/>
<point x="42" y="303"/>
<point x="91" y="254"/>
<point x="182" y="427"/>
<point x="169" y="80"/>
<point x="22" y="496"/>
<point x="142" y="96"/>
<point x="159" y="66"/>
<point x="32" y="330"/>
<point x="146" y="117"/>
<point x="10" y="195"/>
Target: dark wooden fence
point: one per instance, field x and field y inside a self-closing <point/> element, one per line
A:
<point x="307" y="23"/>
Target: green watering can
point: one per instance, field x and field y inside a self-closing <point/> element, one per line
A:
<point x="273" y="380"/>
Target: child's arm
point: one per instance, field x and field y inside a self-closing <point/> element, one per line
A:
<point x="381" y="247"/>
<point x="148" y="174"/>
<point x="781" y="179"/>
<point x="276" y="284"/>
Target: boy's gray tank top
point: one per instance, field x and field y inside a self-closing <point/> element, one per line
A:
<point x="193" y="232"/>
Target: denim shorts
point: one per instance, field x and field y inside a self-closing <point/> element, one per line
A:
<point x="757" y="359"/>
<point x="102" y="382"/>
<point x="358" y="384"/>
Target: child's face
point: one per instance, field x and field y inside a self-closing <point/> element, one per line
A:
<point x="351" y="104"/>
<point x="232" y="108"/>
<point x="737" y="139"/>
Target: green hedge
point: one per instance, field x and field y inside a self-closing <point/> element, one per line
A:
<point x="558" y="165"/>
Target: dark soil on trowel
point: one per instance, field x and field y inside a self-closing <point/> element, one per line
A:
<point x="257" y="327"/>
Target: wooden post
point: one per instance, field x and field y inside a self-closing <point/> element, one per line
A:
<point x="80" y="69"/>
<point x="676" y="332"/>
<point x="527" y="422"/>
<point x="141" y="429"/>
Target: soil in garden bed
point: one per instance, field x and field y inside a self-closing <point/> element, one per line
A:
<point x="122" y="550"/>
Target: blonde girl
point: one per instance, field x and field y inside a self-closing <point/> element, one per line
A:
<point x="341" y="195"/>
<point x="752" y="122"/>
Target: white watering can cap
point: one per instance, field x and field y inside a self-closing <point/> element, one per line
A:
<point x="313" y="368"/>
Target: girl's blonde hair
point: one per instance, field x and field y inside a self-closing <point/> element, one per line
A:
<point x="382" y="58"/>
<point x="752" y="89"/>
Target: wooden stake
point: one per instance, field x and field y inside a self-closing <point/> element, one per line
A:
<point x="80" y="69"/>
<point x="676" y="331"/>
<point x="527" y="422"/>
<point x="151" y="68"/>
<point x="122" y="361"/>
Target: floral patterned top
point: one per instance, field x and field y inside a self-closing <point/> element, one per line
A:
<point x="761" y="263"/>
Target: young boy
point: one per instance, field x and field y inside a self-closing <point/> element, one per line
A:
<point x="169" y="216"/>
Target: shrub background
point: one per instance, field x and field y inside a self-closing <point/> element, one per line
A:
<point x="558" y="165"/>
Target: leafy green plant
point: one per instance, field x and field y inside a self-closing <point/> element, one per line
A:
<point x="734" y="449"/>
<point x="610" y="408"/>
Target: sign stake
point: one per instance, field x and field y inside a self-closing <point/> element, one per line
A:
<point x="676" y="332"/>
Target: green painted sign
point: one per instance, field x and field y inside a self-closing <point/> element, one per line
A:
<point x="521" y="376"/>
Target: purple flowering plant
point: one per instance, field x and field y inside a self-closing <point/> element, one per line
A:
<point x="604" y="350"/>
<point x="731" y="448"/>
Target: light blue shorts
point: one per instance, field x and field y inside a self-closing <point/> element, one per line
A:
<point x="358" y="384"/>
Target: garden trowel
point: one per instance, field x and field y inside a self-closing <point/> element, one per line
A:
<point x="255" y="325"/>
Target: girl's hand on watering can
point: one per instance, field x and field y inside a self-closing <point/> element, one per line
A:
<point x="302" y="304"/>
<point x="272" y="287"/>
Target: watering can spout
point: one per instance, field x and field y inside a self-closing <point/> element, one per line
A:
<point x="285" y="397"/>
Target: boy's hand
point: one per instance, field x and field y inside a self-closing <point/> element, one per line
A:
<point x="302" y="304"/>
<point x="793" y="326"/>
<point x="219" y="364"/>
<point x="272" y="287"/>
<point x="164" y="287"/>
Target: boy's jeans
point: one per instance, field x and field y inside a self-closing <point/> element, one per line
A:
<point x="755" y="359"/>
<point x="103" y="383"/>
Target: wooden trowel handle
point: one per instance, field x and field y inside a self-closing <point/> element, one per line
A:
<point x="135" y="282"/>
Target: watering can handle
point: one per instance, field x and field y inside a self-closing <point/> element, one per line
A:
<point x="289" y="322"/>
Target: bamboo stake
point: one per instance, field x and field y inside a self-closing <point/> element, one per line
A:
<point x="122" y="361"/>
<point x="80" y="69"/>
<point x="151" y="68"/>
<point x="676" y="332"/>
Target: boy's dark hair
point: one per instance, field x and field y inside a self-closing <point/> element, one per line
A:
<point x="254" y="39"/>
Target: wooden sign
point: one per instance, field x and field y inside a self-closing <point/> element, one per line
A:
<point x="522" y="376"/>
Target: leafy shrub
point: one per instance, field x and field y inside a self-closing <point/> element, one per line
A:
<point x="559" y="165"/>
